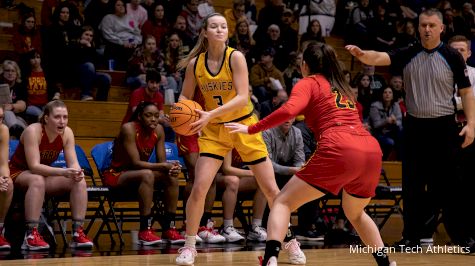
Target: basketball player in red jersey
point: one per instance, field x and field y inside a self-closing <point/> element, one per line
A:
<point x="6" y="184"/>
<point x="33" y="174"/>
<point x="130" y="166"/>
<point x="348" y="158"/>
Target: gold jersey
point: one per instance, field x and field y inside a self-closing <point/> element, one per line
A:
<point x="218" y="89"/>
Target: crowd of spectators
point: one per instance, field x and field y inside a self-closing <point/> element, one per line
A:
<point x="76" y="38"/>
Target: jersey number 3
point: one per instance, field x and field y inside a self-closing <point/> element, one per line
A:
<point x="219" y="100"/>
<point x="342" y="103"/>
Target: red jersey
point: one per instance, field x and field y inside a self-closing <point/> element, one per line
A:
<point x="37" y="90"/>
<point x="322" y="106"/>
<point x="145" y="144"/>
<point x="359" y="106"/>
<point x="236" y="160"/>
<point x="49" y="152"/>
<point x="198" y="97"/>
<point x="189" y="144"/>
<point x="140" y="95"/>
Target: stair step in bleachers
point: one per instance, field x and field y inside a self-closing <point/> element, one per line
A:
<point x="10" y="16"/>
<point x="95" y="119"/>
<point x="118" y="77"/>
<point x="119" y="94"/>
<point x="6" y="42"/>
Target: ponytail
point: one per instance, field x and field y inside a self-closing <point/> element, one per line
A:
<point x="321" y="59"/>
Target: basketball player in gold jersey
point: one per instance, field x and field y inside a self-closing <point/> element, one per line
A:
<point x="221" y="74"/>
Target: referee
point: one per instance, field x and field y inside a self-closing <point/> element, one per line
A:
<point x="431" y="71"/>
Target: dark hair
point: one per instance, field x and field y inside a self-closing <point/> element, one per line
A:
<point x="123" y="2"/>
<point x="153" y="19"/>
<point x="356" y="82"/>
<point x="380" y="96"/>
<point x="321" y="58"/>
<point x="48" y="109"/>
<point x="268" y="51"/>
<point x="153" y="75"/>
<point x="32" y="54"/>
<point x="309" y="28"/>
<point x="57" y="12"/>
<point x="139" y="110"/>
<point x="24" y="17"/>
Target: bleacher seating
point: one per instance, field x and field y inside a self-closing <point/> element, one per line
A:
<point x="98" y="122"/>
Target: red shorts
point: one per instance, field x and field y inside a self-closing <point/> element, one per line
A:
<point x="111" y="177"/>
<point x="15" y="172"/>
<point x="187" y="144"/>
<point x="344" y="160"/>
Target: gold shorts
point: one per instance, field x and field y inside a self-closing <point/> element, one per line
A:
<point x="216" y="142"/>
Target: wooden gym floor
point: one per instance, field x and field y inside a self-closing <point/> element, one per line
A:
<point x="315" y="257"/>
<point x="318" y="253"/>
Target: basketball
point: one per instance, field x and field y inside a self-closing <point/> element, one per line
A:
<point x="182" y="114"/>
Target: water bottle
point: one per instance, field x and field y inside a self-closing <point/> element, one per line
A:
<point x="169" y="99"/>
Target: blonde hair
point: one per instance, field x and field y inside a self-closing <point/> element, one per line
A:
<point x="201" y="46"/>
<point x="49" y="109"/>
<point x="15" y="66"/>
<point x="238" y="23"/>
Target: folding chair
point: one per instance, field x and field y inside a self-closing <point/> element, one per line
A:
<point x="95" y="193"/>
<point x="102" y="156"/>
<point x="12" y="145"/>
<point x="171" y="153"/>
<point x="386" y="202"/>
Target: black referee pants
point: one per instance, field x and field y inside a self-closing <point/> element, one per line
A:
<point x="428" y="173"/>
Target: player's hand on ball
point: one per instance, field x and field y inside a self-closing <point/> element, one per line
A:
<point x="205" y="117"/>
<point x="237" y="128"/>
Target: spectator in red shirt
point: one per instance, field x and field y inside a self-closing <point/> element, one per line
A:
<point x="26" y="38"/>
<point x="156" y="25"/>
<point x="150" y="93"/>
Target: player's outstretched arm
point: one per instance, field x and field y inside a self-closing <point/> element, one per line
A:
<point x="369" y="57"/>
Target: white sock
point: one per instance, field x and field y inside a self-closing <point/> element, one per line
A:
<point x="190" y="241"/>
<point x="228" y="223"/>
<point x="256" y="222"/>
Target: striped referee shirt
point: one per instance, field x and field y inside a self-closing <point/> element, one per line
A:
<point x="430" y="78"/>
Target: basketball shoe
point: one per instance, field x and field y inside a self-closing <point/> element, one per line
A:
<point x="147" y="237"/>
<point x="80" y="240"/>
<point x="187" y="256"/>
<point x="231" y="234"/>
<point x="295" y="254"/>
<point x="209" y="235"/>
<point x="34" y="241"/>
<point x="173" y="236"/>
